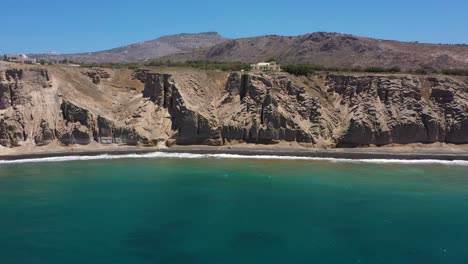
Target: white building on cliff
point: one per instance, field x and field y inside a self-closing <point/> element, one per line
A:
<point x="265" y="66"/>
<point x="19" y="58"/>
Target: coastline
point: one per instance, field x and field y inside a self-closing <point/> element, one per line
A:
<point x="395" y="153"/>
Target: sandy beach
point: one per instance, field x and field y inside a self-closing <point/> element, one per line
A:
<point x="406" y="152"/>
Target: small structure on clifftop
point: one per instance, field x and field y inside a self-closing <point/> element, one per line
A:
<point x="266" y="66"/>
<point x="19" y="58"/>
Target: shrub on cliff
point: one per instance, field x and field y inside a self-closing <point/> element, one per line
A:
<point x="306" y="69"/>
<point x="203" y="64"/>
<point x="421" y="71"/>
<point x="382" y="70"/>
<point x="299" y="69"/>
<point x="459" y="72"/>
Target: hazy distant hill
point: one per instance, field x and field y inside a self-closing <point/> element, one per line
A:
<point x="333" y="49"/>
<point x="321" y="48"/>
<point x="147" y="50"/>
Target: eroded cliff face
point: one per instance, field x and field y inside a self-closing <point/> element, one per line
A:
<point x="39" y="107"/>
<point x="35" y="112"/>
<point x="400" y="109"/>
<point x="266" y="109"/>
<point x="22" y="98"/>
<point x="324" y="110"/>
<point x="187" y="103"/>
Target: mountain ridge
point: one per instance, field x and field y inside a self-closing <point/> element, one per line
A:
<point x="144" y="50"/>
<point x="333" y="50"/>
<point x="320" y="48"/>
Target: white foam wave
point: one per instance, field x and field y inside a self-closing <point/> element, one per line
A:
<point x="155" y="155"/>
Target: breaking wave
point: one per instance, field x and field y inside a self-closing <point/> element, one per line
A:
<point x="156" y="155"/>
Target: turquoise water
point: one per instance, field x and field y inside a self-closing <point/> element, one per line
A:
<point x="171" y="210"/>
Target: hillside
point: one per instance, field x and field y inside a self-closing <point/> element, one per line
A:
<point x="142" y="51"/>
<point x="333" y="50"/>
<point x="320" y="48"/>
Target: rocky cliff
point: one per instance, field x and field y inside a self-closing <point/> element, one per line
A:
<point x="66" y="106"/>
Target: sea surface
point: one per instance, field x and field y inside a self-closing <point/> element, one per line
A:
<point x="207" y="209"/>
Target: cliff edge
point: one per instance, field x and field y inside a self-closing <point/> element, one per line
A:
<point x="65" y="106"/>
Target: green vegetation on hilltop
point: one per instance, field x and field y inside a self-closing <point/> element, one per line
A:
<point x="295" y="69"/>
<point x="459" y="72"/>
<point x="301" y="69"/>
<point x="202" y="64"/>
<point x="306" y="69"/>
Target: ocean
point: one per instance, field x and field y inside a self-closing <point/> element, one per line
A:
<point x="186" y="208"/>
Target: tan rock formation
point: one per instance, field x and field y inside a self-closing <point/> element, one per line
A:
<point x="59" y="105"/>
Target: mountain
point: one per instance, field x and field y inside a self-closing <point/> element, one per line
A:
<point x="148" y="50"/>
<point x="320" y="48"/>
<point x="333" y="50"/>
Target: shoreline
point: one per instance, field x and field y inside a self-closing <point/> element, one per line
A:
<point x="394" y="153"/>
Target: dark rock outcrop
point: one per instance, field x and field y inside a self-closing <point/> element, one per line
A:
<point x="16" y="84"/>
<point x="451" y="100"/>
<point x="96" y="75"/>
<point x="5" y="95"/>
<point x="109" y="133"/>
<point x="76" y="134"/>
<point x="45" y="135"/>
<point x="191" y="126"/>
<point x="9" y="86"/>
<point x="79" y="125"/>
<point x="105" y="129"/>
<point x="72" y="113"/>
<point x="391" y="110"/>
<point x="271" y="108"/>
<point x="12" y="130"/>
<point x="126" y="136"/>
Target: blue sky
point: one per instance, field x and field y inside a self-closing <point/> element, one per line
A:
<point x="84" y="25"/>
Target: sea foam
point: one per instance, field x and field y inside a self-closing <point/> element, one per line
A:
<point x="156" y="155"/>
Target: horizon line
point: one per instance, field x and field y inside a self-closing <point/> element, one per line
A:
<point x="58" y="53"/>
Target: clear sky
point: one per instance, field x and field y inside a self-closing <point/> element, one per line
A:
<point x="91" y="25"/>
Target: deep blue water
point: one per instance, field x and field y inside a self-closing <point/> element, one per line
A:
<point x="232" y="211"/>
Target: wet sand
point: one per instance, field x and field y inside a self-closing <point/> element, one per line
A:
<point x="402" y="152"/>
